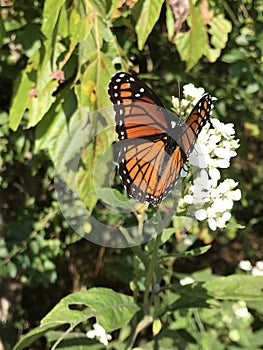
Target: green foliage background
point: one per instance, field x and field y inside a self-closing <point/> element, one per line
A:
<point x="57" y="58"/>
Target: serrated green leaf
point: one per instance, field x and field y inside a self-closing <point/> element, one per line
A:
<point x="149" y="15"/>
<point x="236" y="287"/>
<point x="111" y="309"/>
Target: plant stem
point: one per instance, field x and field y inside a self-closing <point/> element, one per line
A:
<point x="149" y="276"/>
<point x="145" y="322"/>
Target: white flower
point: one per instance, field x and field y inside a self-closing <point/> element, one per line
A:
<point x="241" y="311"/>
<point x="191" y="91"/>
<point x="99" y="333"/>
<point x="212" y="224"/>
<point x="186" y="280"/>
<point x="201" y="214"/>
<point x="258" y="269"/>
<point x="214" y="174"/>
<point x="211" y="199"/>
<point x="236" y="195"/>
<point x="245" y="265"/>
<point x="188" y="199"/>
<point x="234" y="335"/>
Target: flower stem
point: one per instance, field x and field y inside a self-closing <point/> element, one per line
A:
<point x="149" y="275"/>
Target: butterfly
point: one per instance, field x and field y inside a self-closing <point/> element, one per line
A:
<point x="154" y="145"/>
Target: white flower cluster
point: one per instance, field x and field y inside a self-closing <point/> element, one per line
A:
<point x="215" y="147"/>
<point x="99" y="333"/>
<point x="256" y="270"/>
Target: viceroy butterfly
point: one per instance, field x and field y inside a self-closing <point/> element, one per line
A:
<point x="153" y="146"/>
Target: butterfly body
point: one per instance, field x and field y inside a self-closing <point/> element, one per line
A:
<point x="153" y="145"/>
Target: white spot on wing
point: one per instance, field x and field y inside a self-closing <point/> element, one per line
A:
<point x="173" y="124"/>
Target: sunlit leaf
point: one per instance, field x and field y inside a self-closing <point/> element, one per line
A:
<point x="149" y="15"/>
<point x="51" y="14"/>
<point x="170" y="24"/>
<point x="21" y="98"/>
<point x="112" y="311"/>
<point x="236" y="287"/>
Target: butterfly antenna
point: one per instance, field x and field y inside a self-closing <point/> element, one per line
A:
<point x="179" y="96"/>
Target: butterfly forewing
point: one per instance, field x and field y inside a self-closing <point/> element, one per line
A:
<point x="195" y="122"/>
<point x="139" y="112"/>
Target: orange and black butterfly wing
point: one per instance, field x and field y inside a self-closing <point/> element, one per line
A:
<point x="139" y="111"/>
<point x="148" y="170"/>
<point x="198" y="117"/>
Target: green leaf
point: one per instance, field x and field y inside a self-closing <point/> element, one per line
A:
<point x="45" y="87"/>
<point x="21" y="99"/>
<point x="111" y="309"/>
<point x="236" y="287"/>
<point x="72" y="341"/>
<point x="2" y="31"/>
<point x="234" y="56"/>
<point x="170" y="24"/>
<point x="51" y="14"/>
<point x="31" y="336"/>
<point x="185" y="297"/>
<point x="193" y="44"/>
<point x="149" y="15"/>
<point x="114" y="198"/>
<point x="219" y="29"/>
<point x="188" y="254"/>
